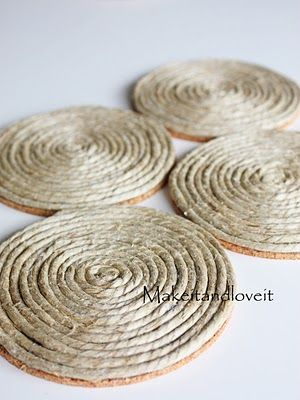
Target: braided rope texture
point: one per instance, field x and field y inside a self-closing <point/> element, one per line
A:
<point x="72" y="293"/>
<point x="83" y="156"/>
<point x="245" y="190"/>
<point x="204" y="99"/>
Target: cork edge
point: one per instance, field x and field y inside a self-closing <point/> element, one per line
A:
<point x="190" y="137"/>
<point x="247" y="251"/>
<point x="111" y="382"/>
<point x="202" y="139"/>
<point x="259" y="253"/>
<point x="47" y="213"/>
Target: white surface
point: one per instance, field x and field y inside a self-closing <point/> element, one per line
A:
<point x="56" y="53"/>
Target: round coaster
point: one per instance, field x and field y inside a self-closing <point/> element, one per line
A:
<point x="84" y="295"/>
<point x="82" y="156"/>
<point x="203" y="99"/>
<point x="245" y="190"/>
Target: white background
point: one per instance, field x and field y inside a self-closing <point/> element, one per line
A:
<point x="56" y="53"/>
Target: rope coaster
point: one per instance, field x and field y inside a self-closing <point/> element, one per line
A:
<point x="83" y="156"/>
<point x="245" y="191"/>
<point x="72" y="303"/>
<point x="204" y="99"/>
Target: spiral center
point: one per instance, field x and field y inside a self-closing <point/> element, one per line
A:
<point x="277" y="176"/>
<point x="104" y="274"/>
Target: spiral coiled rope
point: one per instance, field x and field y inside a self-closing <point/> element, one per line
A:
<point x="245" y="190"/>
<point x="204" y="99"/>
<point x="72" y="298"/>
<point x="83" y="156"/>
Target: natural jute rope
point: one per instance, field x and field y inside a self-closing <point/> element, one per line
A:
<point x="83" y="156"/>
<point x="72" y="294"/>
<point x="245" y="190"/>
<point x="204" y="99"/>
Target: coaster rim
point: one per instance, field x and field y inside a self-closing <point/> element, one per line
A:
<point x="246" y="251"/>
<point x="204" y="139"/>
<point x="41" y="212"/>
<point x="103" y="383"/>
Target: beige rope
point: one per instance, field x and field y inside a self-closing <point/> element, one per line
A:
<point x="84" y="156"/>
<point x="209" y="98"/>
<point x="244" y="189"/>
<point x="71" y="298"/>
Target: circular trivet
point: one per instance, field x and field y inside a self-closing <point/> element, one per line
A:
<point x="73" y="305"/>
<point x="82" y="156"/>
<point x="245" y="191"/>
<point x="203" y="99"/>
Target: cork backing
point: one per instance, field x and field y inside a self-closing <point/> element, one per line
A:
<point x="110" y="382"/>
<point x="247" y="250"/>
<point x="47" y="213"/>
